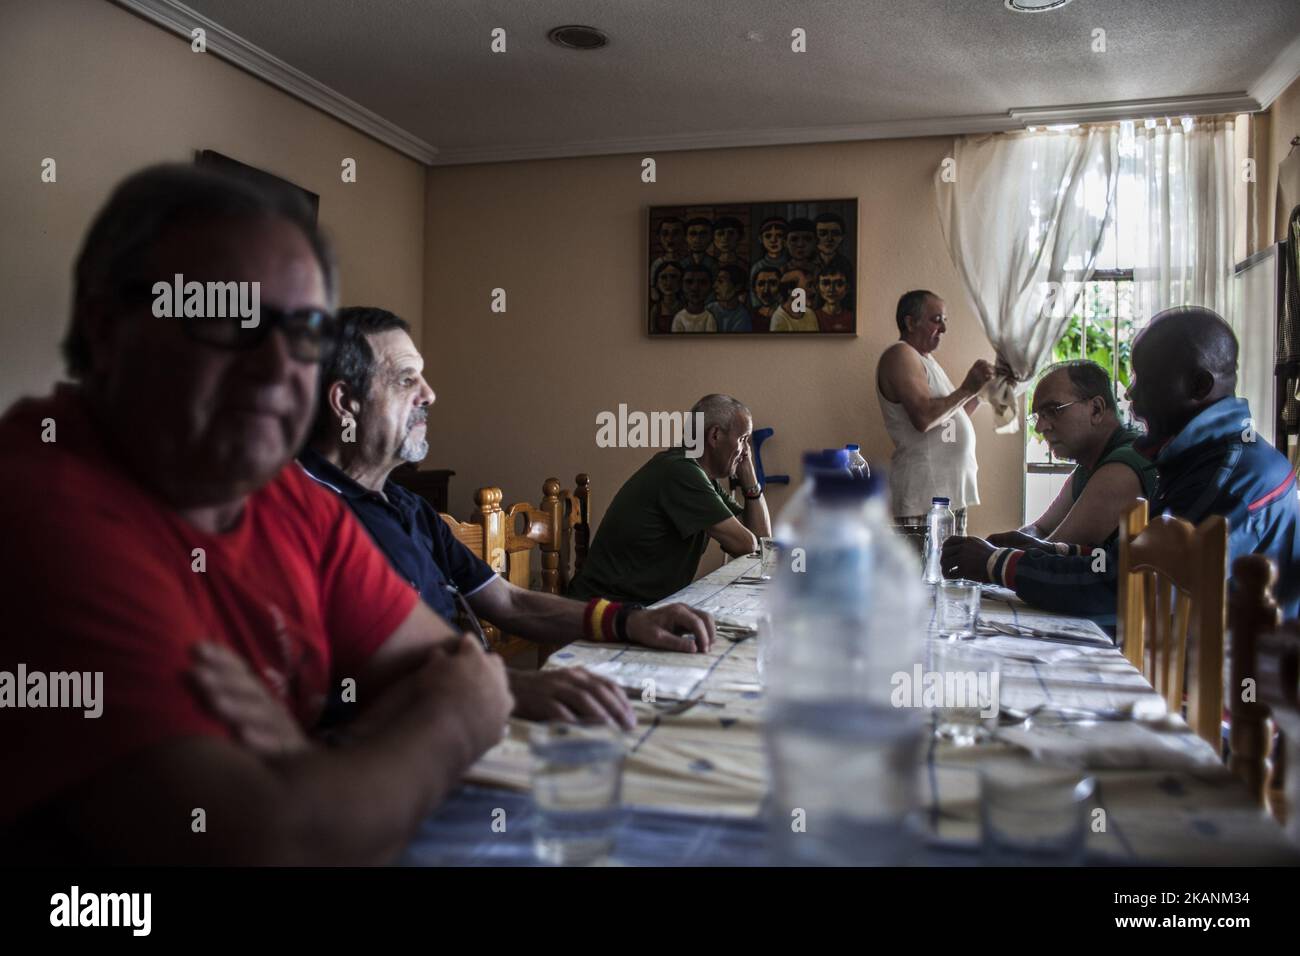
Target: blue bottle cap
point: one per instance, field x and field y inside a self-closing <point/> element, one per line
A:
<point x="940" y="501"/>
<point x="843" y="486"/>
<point x="828" y="458"/>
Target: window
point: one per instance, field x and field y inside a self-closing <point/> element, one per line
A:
<point x="1169" y="240"/>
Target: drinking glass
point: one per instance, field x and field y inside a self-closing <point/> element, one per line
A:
<point x="767" y="564"/>
<point x="1036" y="822"/>
<point x="957" y="609"/>
<point x="968" y="681"/>
<point x="577" y="778"/>
<point x="762" y="645"/>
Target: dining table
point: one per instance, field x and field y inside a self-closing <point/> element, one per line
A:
<point x="695" y="777"/>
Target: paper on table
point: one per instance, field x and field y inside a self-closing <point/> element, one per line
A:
<point x="669" y="682"/>
<point x="1048" y="623"/>
<point x="1114" y="744"/>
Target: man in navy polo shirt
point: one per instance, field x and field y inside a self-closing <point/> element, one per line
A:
<point x="370" y="418"/>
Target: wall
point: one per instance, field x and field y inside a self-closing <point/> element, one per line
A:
<point x="105" y="93"/>
<point x="1283" y="124"/>
<point x="518" y="393"/>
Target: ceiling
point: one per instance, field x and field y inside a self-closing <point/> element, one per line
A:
<point x="420" y="74"/>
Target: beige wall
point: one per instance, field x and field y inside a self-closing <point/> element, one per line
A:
<point x="518" y="392"/>
<point x="105" y="93"/>
<point x="1283" y="123"/>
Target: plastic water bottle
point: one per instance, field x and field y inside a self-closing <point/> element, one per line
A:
<point x="847" y="617"/>
<point x="837" y="459"/>
<point x="939" y="526"/>
<point x="857" y="464"/>
<point x="791" y="516"/>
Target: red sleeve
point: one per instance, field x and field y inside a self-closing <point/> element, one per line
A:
<point x="87" y="593"/>
<point x="363" y="600"/>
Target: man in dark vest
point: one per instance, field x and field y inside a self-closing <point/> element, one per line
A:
<point x="1074" y="410"/>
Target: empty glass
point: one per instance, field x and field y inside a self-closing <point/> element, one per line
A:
<point x="1034" y="822"/>
<point x="767" y="564"/>
<point x="762" y="645"/>
<point x="967" y="684"/>
<point x="957" y="609"/>
<point x="577" y="786"/>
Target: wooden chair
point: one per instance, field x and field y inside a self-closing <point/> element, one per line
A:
<point x="1279" y="684"/>
<point x="484" y="534"/>
<point x="579" y="512"/>
<point x="1172" y="585"/>
<point x="1252" y="613"/>
<point x="558" y="530"/>
<point x="1265" y="674"/>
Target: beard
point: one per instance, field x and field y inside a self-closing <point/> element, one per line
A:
<point x="414" y="449"/>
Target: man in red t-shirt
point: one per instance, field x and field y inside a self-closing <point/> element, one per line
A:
<point x="154" y="509"/>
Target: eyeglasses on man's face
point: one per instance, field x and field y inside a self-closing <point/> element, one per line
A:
<point x="1049" y="414"/>
<point x="311" y="334"/>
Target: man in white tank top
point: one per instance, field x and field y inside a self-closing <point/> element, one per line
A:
<point x="928" y="419"/>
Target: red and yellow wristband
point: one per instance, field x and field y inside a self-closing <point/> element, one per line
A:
<point x="599" y="618"/>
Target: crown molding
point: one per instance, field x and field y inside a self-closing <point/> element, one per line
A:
<point x="779" y="136"/>
<point x="1281" y="73"/>
<point x="181" y="20"/>
<point x="1137" y="109"/>
<point x="1014" y="119"/>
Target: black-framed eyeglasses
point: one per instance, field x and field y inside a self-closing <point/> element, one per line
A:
<point x="1049" y="414"/>
<point x="310" y="333"/>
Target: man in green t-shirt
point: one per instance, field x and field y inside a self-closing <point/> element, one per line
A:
<point x="651" y="538"/>
<point x="1074" y="410"/>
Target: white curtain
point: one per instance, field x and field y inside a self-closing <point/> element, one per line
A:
<point x="1024" y="219"/>
<point x="1175" y="215"/>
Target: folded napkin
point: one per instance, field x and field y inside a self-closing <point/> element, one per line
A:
<point x="1002" y="392"/>
<point x="668" y="682"/>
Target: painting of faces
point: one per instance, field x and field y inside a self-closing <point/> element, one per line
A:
<point x="754" y="268"/>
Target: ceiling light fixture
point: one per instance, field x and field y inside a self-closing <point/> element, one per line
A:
<point x="1034" y="6"/>
<point x="578" y="38"/>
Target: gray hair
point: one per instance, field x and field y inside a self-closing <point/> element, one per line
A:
<point x="719" y="410"/>
<point x="1087" y="379"/>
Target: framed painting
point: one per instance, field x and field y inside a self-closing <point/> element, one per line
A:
<point x="753" y="268"/>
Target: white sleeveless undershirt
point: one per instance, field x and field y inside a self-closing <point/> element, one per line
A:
<point x="923" y="465"/>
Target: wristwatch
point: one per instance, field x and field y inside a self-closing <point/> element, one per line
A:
<point x="620" y="620"/>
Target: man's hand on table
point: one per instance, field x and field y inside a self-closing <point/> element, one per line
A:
<point x="673" y="627"/>
<point x="966" y="558"/>
<point x="570" y="694"/>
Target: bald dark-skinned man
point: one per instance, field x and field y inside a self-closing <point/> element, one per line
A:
<point x="1202" y="440"/>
